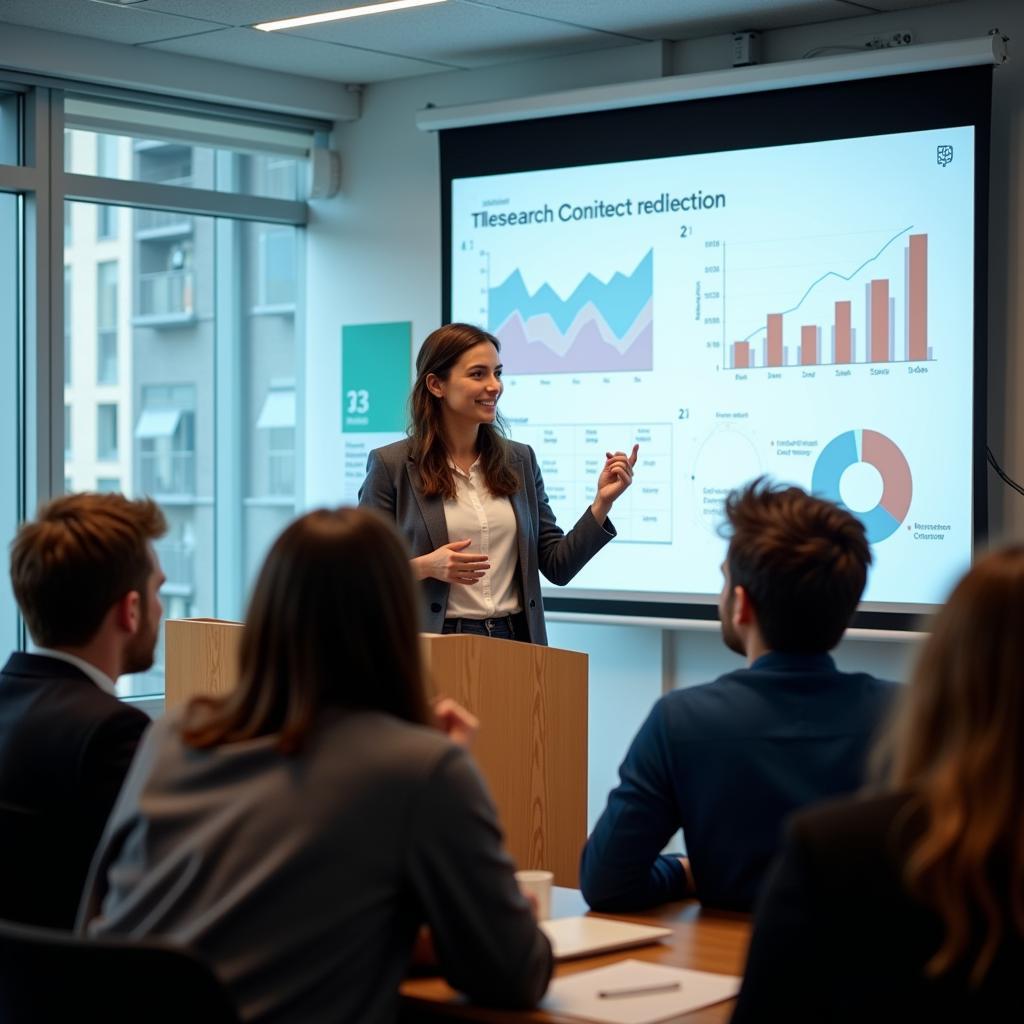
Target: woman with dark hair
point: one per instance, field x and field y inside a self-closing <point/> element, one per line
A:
<point x="298" y="832"/>
<point x="472" y="504"/>
<point x="908" y="904"/>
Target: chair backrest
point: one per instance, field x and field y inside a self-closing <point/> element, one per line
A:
<point x="51" y="976"/>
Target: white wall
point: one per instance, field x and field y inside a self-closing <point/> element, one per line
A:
<point x="374" y="254"/>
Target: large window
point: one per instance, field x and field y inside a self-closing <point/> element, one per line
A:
<point x="168" y="332"/>
<point x="202" y="388"/>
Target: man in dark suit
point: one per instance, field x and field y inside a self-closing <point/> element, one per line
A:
<point x="728" y="761"/>
<point x="86" y="577"/>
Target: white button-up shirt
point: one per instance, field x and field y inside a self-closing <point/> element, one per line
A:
<point x="490" y="523"/>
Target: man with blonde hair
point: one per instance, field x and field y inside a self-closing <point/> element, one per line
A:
<point x="86" y="577"/>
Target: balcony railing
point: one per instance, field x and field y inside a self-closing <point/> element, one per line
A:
<point x="177" y="560"/>
<point x="163" y="222"/>
<point x="167" y="472"/>
<point x="166" y="294"/>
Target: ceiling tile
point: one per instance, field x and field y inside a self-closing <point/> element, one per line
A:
<point x="469" y="35"/>
<point x="248" y="12"/>
<point x="283" y="52"/>
<point x="680" y="19"/>
<point x="901" y="5"/>
<point x="129" y="24"/>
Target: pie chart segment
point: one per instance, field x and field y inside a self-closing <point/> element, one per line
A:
<point x="892" y="464"/>
<point x="877" y="450"/>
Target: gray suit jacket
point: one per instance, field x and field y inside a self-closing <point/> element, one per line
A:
<point x="393" y="486"/>
<point x="302" y="880"/>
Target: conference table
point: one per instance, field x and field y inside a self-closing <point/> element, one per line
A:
<point x="704" y="940"/>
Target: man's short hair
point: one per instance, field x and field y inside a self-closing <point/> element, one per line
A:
<point x="79" y="557"/>
<point x="802" y="561"/>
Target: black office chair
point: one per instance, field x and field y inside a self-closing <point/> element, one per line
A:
<point x="52" y="977"/>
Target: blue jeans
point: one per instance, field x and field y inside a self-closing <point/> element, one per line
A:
<point x="507" y="627"/>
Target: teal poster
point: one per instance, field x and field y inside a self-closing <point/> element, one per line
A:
<point x="375" y="361"/>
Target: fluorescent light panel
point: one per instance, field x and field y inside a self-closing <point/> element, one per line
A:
<point x="348" y="12"/>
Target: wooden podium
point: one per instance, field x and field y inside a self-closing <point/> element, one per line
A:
<point x="532" y="743"/>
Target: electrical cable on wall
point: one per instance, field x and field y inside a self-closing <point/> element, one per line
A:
<point x="1008" y="480"/>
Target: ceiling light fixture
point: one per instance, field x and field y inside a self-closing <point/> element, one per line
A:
<point x="348" y="12"/>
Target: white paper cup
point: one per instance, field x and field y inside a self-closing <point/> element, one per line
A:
<point x="538" y="885"/>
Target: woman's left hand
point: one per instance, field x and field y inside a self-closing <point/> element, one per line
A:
<point x="615" y="477"/>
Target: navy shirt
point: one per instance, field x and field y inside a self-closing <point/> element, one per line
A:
<point x="727" y="762"/>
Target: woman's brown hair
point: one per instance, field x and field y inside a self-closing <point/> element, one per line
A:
<point x="957" y="741"/>
<point x="332" y="622"/>
<point x="439" y="353"/>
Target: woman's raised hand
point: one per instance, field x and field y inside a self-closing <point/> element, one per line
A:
<point x="615" y="477"/>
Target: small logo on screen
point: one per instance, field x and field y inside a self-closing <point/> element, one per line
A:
<point x="944" y="155"/>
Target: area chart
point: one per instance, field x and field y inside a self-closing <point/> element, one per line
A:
<point x="601" y="327"/>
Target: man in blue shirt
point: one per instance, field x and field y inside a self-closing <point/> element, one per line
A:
<point x="728" y="761"/>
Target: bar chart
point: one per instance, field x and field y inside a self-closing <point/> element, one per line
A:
<point x="882" y="320"/>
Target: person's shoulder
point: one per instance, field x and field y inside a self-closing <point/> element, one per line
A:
<point x="692" y="707"/>
<point x="870" y="689"/>
<point x="875" y="683"/>
<point x="726" y="689"/>
<point x="519" y="450"/>
<point x="395" y="454"/>
<point x="110" y="722"/>
<point x="65" y="715"/>
<point x="65" y="690"/>
<point x="389" y="740"/>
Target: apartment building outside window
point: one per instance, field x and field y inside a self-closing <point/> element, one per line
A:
<point x="106" y="432"/>
<point x="106" y="322"/>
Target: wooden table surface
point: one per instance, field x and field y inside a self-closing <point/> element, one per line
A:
<point x="704" y="940"/>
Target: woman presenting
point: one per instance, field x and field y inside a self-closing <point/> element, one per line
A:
<point x="471" y="503"/>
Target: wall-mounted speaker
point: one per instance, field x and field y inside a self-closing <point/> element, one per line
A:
<point x="324" y="173"/>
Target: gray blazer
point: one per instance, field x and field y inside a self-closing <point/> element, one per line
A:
<point x="393" y="486"/>
<point x="302" y="880"/>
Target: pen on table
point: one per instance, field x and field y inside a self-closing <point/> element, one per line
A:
<point x="640" y="990"/>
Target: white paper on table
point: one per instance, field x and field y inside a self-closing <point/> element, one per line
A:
<point x="576" y="995"/>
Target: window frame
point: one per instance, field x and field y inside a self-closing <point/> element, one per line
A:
<point x="44" y="187"/>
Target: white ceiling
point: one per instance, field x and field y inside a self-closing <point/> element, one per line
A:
<point x="452" y="35"/>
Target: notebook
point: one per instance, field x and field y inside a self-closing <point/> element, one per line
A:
<point x="582" y="936"/>
<point x="636" y="992"/>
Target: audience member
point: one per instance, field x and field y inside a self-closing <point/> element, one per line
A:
<point x="86" y="577"/>
<point x="727" y="761"/>
<point x="297" y="833"/>
<point x="908" y="904"/>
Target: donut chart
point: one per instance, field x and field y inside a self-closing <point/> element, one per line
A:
<point x="881" y="452"/>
